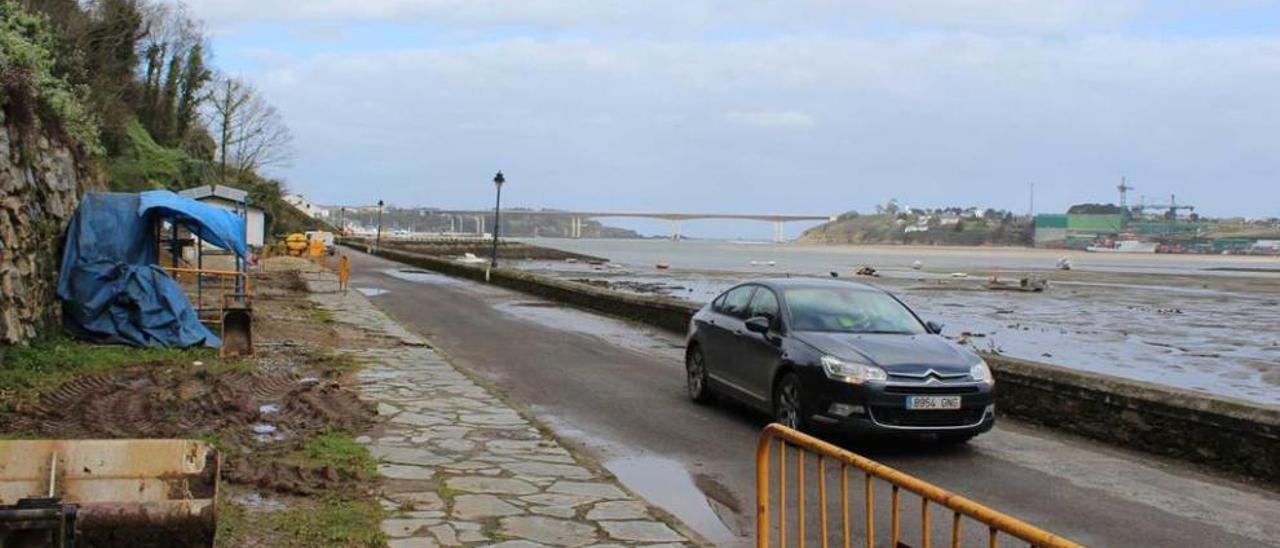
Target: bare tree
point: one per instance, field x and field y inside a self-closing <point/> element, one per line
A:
<point x="251" y="133"/>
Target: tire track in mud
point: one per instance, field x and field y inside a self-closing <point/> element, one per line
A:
<point x="259" y="418"/>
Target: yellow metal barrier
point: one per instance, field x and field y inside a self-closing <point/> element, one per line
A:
<point x="996" y="523"/>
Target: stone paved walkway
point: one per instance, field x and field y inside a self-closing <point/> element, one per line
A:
<point x="460" y="467"/>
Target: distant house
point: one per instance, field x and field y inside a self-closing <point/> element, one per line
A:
<point x="237" y="201"/>
<point x="306" y="207"/>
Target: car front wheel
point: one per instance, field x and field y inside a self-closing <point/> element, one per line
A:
<point x="787" y="409"/>
<point x="696" y="369"/>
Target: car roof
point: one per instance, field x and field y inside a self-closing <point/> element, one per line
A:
<point x="788" y="283"/>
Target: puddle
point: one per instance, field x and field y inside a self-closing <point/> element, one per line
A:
<point x="617" y="332"/>
<point x="255" y="501"/>
<point x="421" y="276"/>
<point x="378" y="374"/>
<point x="666" y="484"/>
<point x="269" y="408"/>
<point x="371" y="291"/>
<point x="539" y="304"/>
<point x="266" y="432"/>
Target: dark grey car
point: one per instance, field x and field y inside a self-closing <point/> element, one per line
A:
<point x="839" y="355"/>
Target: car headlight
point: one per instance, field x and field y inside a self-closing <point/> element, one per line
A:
<point x="851" y="372"/>
<point x="981" y="372"/>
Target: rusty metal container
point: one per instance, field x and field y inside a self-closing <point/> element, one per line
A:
<point x="158" y="492"/>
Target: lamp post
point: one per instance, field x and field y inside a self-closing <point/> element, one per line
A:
<point x="497" y="211"/>
<point x="377" y="243"/>
<point x="342" y="221"/>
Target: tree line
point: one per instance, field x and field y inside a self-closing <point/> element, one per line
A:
<point x="158" y="113"/>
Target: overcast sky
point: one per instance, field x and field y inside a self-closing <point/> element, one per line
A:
<point x="797" y="106"/>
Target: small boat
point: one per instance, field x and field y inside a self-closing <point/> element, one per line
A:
<point x="571" y="260"/>
<point x="959" y="274"/>
<point x="917" y="265"/>
<point x="1031" y="283"/>
<point x="662" y="266"/>
<point x="764" y="263"/>
<point x="470" y="258"/>
<point x="1063" y="264"/>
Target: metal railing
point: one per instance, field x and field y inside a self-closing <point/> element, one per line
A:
<point x="210" y="289"/>
<point x="996" y="523"/>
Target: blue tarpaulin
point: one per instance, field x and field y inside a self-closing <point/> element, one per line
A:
<point x="110" y="286"/>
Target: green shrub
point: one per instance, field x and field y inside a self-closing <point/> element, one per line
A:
<point x="28" y="86"/>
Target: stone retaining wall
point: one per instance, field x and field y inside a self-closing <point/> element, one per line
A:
<point x="40" y="186"/>
<point x="1223" y="433"/>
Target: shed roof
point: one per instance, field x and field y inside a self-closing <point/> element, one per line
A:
<point x="217" y="191"/>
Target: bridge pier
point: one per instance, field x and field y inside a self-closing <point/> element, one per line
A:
<point x="480" y="225"/>
<point x="675" y="230"/>
<point x="779" y="235"/>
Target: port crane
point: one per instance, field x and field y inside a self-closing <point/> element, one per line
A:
<point x="1124" y="189"/>
<point x="1172" y="208"/>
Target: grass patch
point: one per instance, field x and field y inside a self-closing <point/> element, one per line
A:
<point x="447" y="494"/>
<point x="339" y="362"/>
<point x="332" y="521"/>
<point x="232" y="522"/>
<point x="45" y="364"/>
<point x="322" y="315"/>
<point x="339" y="450"/>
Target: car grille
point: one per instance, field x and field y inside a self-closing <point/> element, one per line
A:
<point x="934" y="389"/>
<point x="893" y="416"/>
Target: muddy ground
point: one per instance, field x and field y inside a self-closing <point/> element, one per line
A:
<point x="274" y="416"/>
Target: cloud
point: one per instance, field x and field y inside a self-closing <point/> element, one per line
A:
<point x="744" y="105"/>
<point x="785" y="119"/>
<point x="930" y="118"/>
<point x="665" y="16"/>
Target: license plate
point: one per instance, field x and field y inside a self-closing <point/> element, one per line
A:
<point x="933" y="402"/>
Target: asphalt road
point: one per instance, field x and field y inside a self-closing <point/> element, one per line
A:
<point x="616" y="391"/>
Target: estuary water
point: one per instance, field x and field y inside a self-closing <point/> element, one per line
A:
<point x="1204" y="323"/>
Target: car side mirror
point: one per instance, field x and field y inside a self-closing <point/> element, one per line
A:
<point x="933" y="327"/>
<point x="758" y="324"/>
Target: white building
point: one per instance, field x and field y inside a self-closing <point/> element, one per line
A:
<point x="234" y="200"/>
<point x="306" y="207"/>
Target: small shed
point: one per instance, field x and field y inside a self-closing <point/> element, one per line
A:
<point x="237" y="201"/>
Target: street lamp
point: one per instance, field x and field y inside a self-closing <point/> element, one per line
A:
<point x="342" y="221"/>
<point x="377" y="243"/>
<point x="497" y="211"/>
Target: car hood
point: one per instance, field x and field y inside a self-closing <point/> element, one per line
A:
<point x="894" y="353"/>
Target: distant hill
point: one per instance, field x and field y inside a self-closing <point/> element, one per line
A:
<point x="515" y="223"/>
<point x="949" y="226"/>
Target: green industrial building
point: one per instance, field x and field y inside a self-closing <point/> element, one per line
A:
<point x="1076" y="231"/>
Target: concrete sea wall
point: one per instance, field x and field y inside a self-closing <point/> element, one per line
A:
<point x="1222" y="433"/>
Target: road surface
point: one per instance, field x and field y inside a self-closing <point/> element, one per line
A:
<point x="616" y="391"/>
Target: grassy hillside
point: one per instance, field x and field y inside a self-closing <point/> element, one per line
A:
<point x="993" y="228"/>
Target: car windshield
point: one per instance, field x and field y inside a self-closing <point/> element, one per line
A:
<point x="849" y="310"/>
